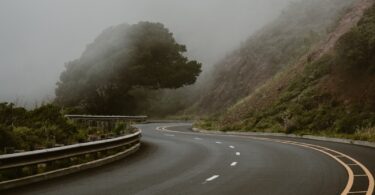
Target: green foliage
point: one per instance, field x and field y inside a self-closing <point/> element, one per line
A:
<point x="120" y="127"/>
<point x="122" y="59"/>
<point x="208" y="124"/>
<point x="44" y="126"/>
<point x="300" y="27"/>
<point x="313" y="101"/>
<point x="7" y="137"/>
<point x="302" y="108"/>
<point x="356" y="49"/>
<point x="81" y="136"/>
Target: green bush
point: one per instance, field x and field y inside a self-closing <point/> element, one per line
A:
<point x="42" y="127"/>
<point x="347" y="124"/>
<point x="356" y="49"/>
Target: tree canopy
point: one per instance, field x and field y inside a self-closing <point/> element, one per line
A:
<point x="123" y="58"/>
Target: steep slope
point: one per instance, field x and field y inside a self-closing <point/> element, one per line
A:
<point x="264" y="54"/>
<point x="331" y="90"/>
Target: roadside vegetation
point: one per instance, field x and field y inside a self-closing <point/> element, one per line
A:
<point x="45" y="127"/>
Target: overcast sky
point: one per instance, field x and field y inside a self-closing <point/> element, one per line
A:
<point x="38" y="36"/>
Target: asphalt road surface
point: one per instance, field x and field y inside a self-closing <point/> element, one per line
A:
<point x="174" y="160"/>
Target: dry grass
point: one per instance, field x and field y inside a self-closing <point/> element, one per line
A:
<point x="367" y="133"/>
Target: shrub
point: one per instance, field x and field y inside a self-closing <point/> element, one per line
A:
<point x="346" y="124"/>
<point x="356" y="49"/>
<point x="366" y="133"/>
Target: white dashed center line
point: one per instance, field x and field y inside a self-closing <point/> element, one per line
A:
<point x="170" y="135"/>
<point x="197" y="138"/>
<point x="218" y="142"/>
<point x="233" y="164"/>
<point x="231" y="147"/>
<point x="237" y="153"/>
<point x="212" y="178"/>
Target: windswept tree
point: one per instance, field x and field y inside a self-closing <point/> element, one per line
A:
<point x="121" y="59"/>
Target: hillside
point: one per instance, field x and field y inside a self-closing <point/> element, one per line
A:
<point x="328" y="91"/>
<point x="283" y="42"/>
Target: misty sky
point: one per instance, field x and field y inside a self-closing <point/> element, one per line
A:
<point x="38" y="36"/>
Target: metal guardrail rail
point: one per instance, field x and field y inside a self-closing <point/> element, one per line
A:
<point x="106" y="117"/>
<point x="16" y="160"/>
<point x="128" y="144"/>
<point x="123" y="146"/>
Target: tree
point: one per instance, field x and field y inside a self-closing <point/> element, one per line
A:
<point x="121" y="59"/>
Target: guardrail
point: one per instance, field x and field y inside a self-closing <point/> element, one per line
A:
<point x="49" y="159"/>
<point x="106" y="117"/>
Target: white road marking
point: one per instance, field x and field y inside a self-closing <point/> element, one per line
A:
<point x="231" y="147"/>
<point x="323" y="150"/>
<point x="197" y="138"/>
<point x="218" y="142"/>
<point x="233" y="164"/>
<point x="212" y="178"/>
<point x="158" y="128"/>
<point x="237" y="153"/>
<point x="170" y="135"/>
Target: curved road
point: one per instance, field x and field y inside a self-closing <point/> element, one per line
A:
<point x="178" y="161"/>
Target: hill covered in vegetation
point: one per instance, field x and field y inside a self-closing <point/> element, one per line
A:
<point x="279" y="44"/>
<point x="328" y="90"/>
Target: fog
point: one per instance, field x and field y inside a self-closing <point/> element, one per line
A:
<point x="37" y="37"/>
